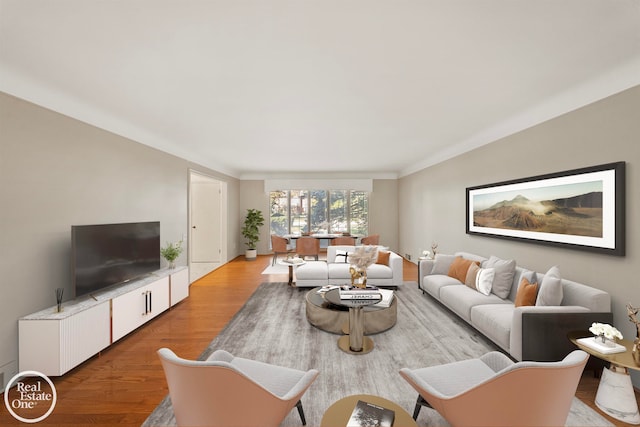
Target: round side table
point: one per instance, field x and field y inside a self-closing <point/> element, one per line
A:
<point x="615" y="395"/>
<point x="338" y="414"/>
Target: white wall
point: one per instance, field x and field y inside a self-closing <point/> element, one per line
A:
<point x="433" y="200"/>
<point x="56" y="172"/>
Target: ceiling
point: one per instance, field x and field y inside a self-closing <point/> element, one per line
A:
<point x="270" y="88"/>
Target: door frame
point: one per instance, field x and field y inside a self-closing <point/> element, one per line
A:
<point x="201" y="269"/>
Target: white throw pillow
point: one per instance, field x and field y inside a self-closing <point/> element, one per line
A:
<point x="342" y="257"/>
<point x="550" y="292"/>
<point x="484" y="280"/>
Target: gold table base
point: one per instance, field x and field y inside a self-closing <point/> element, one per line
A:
<point x="367" y="345"/>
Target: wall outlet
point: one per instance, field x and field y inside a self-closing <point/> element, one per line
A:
<point x="408" y="257"/>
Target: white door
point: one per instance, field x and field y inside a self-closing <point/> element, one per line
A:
<point x="207" y="225"/>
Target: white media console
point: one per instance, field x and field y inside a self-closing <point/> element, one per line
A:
<point x="53" y="342"/>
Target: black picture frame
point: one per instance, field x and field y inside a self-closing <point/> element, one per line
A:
<point x="580" y="209"/>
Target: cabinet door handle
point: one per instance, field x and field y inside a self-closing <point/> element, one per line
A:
<point x="146" y="303"/>
<point x="150" y="299"/>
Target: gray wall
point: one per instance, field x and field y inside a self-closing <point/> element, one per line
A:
<point x="433" y="200"/>
<point x="383" y="210"/>
<point x="56" y="172"/>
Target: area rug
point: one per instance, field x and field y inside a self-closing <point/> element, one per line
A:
<point x="276" y="269"/>
<point x="272" y="327"/>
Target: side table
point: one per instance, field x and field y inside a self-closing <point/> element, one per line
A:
<point x="290" y="265"/>
<point x="338" y="413"/>
<point x="615" y="395"/>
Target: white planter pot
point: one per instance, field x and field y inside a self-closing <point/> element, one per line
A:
<point x="251" y="254"/>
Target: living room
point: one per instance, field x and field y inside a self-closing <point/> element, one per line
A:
<point x="57" y="170"/>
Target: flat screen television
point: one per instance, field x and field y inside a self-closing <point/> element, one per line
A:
<point x="104" y="255"/>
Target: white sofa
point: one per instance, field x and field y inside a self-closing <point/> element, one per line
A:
<point x="537" y="332"/>
<point x="336" y="271"/>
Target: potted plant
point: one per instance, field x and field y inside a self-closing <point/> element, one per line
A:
<point x="251" y="231"/>
<point x="171" y="252"/>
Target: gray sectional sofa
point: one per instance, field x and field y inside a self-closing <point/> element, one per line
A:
<point x="335" y="271"/>
<point x="535" y="332"/>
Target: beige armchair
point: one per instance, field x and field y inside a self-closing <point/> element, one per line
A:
<point x="279" y="245"/>
<point x="308" y="246"/>
<point x="231" y="391"/>
<point x="495" y="391"/>
<point x="372" y="239"/>
<point x="343" y="241"/>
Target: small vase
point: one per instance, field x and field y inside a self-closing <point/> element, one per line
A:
<point x="172" y="265"/>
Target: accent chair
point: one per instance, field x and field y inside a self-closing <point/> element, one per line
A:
<point x="494" y="391"/>
<point x="308" y="246"/>
<point x="231" y="391"/>
<point x="343" y="241"/>
<point x="372" y="239"/>
<point x="279" y="245"/>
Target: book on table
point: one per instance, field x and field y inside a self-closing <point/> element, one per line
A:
<point x="357" y="293"/>
<point x="368" y="414"/>
<point x="352" y="292"/>
<point x="387" y="298"/>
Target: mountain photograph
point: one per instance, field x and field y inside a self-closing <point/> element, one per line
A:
<point x="579" y="215"/>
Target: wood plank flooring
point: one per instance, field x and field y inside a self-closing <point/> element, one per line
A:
<point x="125" y="382"/>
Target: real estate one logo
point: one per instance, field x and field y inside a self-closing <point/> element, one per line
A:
<point x="32" y="399"/>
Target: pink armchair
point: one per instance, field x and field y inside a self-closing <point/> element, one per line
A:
<point x="495" y="391"/>
<point x="279" y="245"/>
<point x="232" y="391"/>
<point x="372" y="239"/>
<point x="308" y="246"/>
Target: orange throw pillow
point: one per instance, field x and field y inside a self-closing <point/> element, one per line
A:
<point x="383" y="257"/>
<point x="459" y="268"/>
<point x="527" y="293"/>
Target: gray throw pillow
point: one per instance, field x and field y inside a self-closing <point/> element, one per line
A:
<point x="550" y="292"/>
<point x="442" y="263"/>
<point x="503" y="280"/>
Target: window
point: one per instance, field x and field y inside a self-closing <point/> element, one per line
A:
<point x="319" y="211"/>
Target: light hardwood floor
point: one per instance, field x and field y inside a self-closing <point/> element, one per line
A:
<point x="125" y="382"/>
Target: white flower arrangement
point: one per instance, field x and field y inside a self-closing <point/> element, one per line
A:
<point x="605" y="330"/>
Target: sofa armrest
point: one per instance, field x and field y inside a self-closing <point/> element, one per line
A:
<point x="540" y="333"/>
<point x="396" y="263"/>
<point x="424" y="267"/>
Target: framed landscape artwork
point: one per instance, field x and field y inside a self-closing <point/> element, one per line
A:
<point x="581" y="209"/>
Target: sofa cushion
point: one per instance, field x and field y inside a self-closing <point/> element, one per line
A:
<point x="442" y="263"/>
<point x="459" y="267"/>
<point x="339" y="269"/>
<point x="550" y="292"/>
<point x="461" y="299"/>
<point x="435" y="282"/>
<point x="312" y="270"/>
<point x="527" y="293"/>
<point x="379" y="271"/>
<point x="503" y="280"/>
<point x="494" y="321"/>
